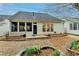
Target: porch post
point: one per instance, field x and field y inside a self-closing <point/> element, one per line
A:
<point x="50" y="27"/>
<point x="25" y="28"/>
<point x="18" y="26"/>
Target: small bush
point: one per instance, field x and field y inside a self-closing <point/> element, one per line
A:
<point x="36" y="51"/>
<point x="24" y="35"/>
<point x="31" y="51"/>
<point x="49" y="35"/>
<point x="74" y="45"/>
<point x="57" y="52"/>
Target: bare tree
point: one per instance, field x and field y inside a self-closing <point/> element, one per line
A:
<point x="61" y="9"/>
<point x="76" y="5"/>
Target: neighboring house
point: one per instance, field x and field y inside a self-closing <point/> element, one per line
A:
<point x="4" y="24"/>
<point x="71" y="25"/>
<point x="31" y="22"/>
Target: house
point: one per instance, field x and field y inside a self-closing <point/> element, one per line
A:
<point x="4" y="24"/>
<point x="71" y="25"/>
<point x="30" y="23"/>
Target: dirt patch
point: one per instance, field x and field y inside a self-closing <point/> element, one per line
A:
<point x="14" y="47"/>
<point x="61" y="43"/>
<point x="46" y="52"/>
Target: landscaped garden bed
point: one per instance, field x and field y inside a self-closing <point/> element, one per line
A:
<point x="13" y="38"/>
<point x="74" y="48"/>
<point x="42" y="51"/>
<point x="57" y="35"/>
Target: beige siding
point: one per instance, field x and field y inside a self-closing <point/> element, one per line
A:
<point x="67" y="26"/>
<point x="4" y="27"/>
<point x="59" y="27"/>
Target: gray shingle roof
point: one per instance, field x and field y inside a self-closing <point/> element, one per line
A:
<point x="2" y="17"/>
<point x="34" y="16"/>
<point x="72" y="19"/>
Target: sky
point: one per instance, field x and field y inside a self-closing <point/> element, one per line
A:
<point x="12" y="8"/>
<point x="64" y="9"/>
<point x="57" y="10"/>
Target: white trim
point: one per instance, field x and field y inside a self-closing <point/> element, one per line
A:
<point x="18" y="26"/>
<point x="25" y="26"/>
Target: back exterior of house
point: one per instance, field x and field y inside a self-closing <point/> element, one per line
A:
<point x="71" y="25"/>
<point x="31" y="23"/>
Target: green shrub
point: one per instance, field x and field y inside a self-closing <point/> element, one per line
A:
<point x="57" y="52"/>
<point x="31" y="51"/>
<point x="74" y="45"/>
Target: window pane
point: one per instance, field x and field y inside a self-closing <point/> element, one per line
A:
<point x="78" y="26"/>
<point x="14" y="26"/>
<point x="29" y="26"/>
<point x="44" y="28"/>
<point x="70" y="26"/>
<point x="75" y="26"/>
<point x="48" y="27"/>
<point x="21" y="26"/>
<point x="51" y="27"/>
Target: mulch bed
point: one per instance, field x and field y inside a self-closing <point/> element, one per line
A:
<point x="44" y="52"/>
<point x="47" y="52"/>
<point x="61" y="42"/>
<point x="73" y="52"/>
<point x="13" y="38"/>
<point x="58" y="35"/>
<point x="22" y="38"/>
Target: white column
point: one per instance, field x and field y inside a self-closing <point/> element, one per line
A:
<point x="77" y="26"/>
<point x="18" y="26"/>
<point x="25" y="28"/>
<point x="45" y="27"/>
<point x="32" y="28"/>
<point x="25" y="25"/>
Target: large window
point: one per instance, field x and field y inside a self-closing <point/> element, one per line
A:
<point x="51" y="27"/>
<point x="48" y="27"/>
<point x="78" y="26"/>
<point x="75" y="26"/>
<point x="21" y="26"/>
<point x="29" y="26"/>
<point x="14" y="26"/>
<point x="44" y="27"/>
<point x="71" y="26"/>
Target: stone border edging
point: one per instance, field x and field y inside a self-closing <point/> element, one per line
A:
<point x="19" y="54"/>
<point x="72" y="52"/>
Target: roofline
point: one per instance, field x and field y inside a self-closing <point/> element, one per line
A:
<point x="59" y="20"/>
<point x="41" y="21"/>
